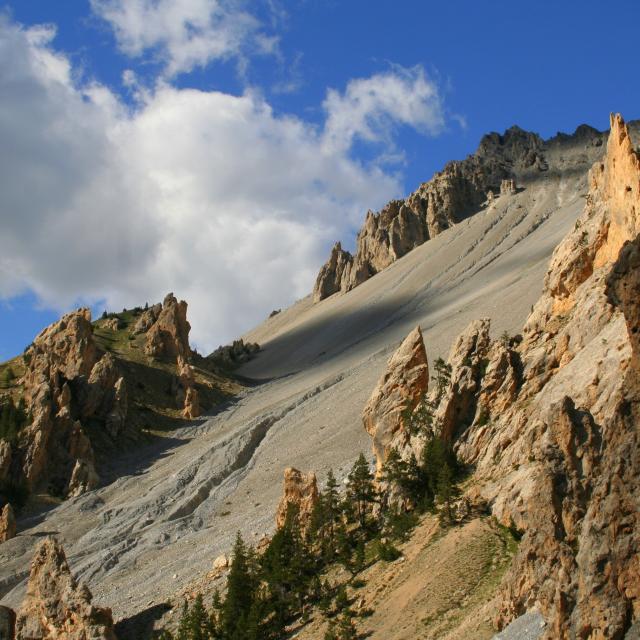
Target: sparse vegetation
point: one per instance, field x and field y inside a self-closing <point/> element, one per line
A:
<point x="267" y="593"/>
<point x="13" y="418"/>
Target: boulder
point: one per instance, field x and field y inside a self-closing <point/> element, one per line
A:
<point x="301" y="490"/>
<point x="56" y="606"/>
<point x="402" y="386"/>
<point x="221" y="563"/>
<point x="147" y="319"/>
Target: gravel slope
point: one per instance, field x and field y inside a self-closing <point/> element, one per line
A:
<point x="150" y="532"/>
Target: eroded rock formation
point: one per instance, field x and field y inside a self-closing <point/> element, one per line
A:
<point x="56" y="606"/>
<point x="147" y="319"/>
<point x="7" y="523"/>
<point x="565" y="444"/>
<point x="549" y="421"/>
<point x="300" y="490"/>
<point x="451" y="195"/>
<point x="401" y="387"/>
<point x="67" y="382"/>
<point x="168" y="336"/>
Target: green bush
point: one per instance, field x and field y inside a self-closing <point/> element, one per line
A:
<point x="12" y="419"/>
<point x="387" y="552"/>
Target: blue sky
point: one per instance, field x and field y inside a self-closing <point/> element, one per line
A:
<point x="219" y="148"/>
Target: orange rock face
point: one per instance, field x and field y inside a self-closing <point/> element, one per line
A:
<point x="68" y="380"/>
<point x="549" y="421"/>
<point x="300" y="490"/>
<point x="403" y="385"/>
<point x="557" y="451"/>
<point x="56" y="606"/>
<point x="168" y="337"/>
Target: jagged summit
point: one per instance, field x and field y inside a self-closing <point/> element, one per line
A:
<point x="454" y="193"/>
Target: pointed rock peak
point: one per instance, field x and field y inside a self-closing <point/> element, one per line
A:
<point x="55" y="606"/>
<point x="472" y="343"/>
<point x="301" y="491"/>
<point x="402" y="385"/>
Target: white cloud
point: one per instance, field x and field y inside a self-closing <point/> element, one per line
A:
<point x="184" y="33"/>
<point x="207" y="194"/>
<point x="372" y="108"/>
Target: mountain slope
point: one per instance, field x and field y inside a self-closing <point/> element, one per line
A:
<point x="177" y="507"/>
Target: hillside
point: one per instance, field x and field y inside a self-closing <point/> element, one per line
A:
<point x="148" y="534"/>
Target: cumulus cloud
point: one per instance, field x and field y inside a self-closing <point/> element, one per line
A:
<point x="372" y="108"/>
<point x="210" y="195"/>
<point x="184" y="34"/>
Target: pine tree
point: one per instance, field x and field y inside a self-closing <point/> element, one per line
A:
<point x="419" y="419"/>
<point x="445" y="488"/>
<point x="361" y="490"/>
<point x="442" y="377"/>
<point x="240" y="592"/>
<point x="183" y="625"/>
<point x="198" y="621"/>
<point x="346" y="629"/>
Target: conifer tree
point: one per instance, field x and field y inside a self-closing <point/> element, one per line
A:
<point x="442" y="377"/>
<point x="240" y="592"/>
<point x="361" y="490"/>
<point x="183" y="625"/>
<point x="198" y="621"/>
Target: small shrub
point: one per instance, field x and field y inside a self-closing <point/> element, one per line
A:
<point x="387" y="552"/>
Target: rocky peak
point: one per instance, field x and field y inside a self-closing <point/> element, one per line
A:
<point x="67" y="382"/>
<point x="467" y="361"/>
<point x="56" y="606"/>
<point x="168" y="337"/>
<point x="7" y="523"/>
<point x="301" y="490"/>
<point x="334" y="275"/>
<point x="402" y="386"/>
<point x="451" y="195"/>
<point x="64" y="348"/>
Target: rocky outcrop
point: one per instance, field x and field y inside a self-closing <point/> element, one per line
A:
<point x="68" y="383"/>
<point x="168" y="337"/>
<point x="7" y="523"/>
<point x="401" y="387"/>
<point x="235" y="354"/>
<point x="453" y="194"/>
<point x="187" y="393"/>
<point x="64" y="354"/>
<point x="56" y="606"/>
<point x="549" y="420"/>
<point x="334" y="275"/>
<point x="301" y="491"/>
<point x="554" y="439"/>
<point x="467" y="361"/>
<point x="147" y="319"/>
<point x="508" y="187"/>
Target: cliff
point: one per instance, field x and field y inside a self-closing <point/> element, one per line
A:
<point x="500" y="165"/>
